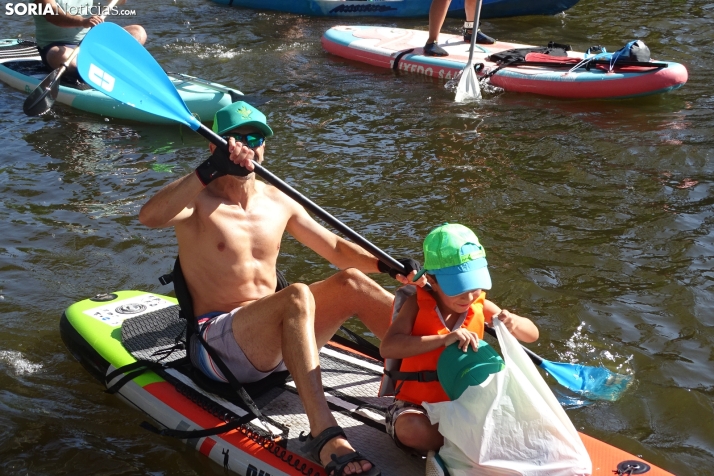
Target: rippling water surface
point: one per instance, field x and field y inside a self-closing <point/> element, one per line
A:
<point x="597" y="216"/>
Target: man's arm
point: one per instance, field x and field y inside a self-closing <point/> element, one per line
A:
<point x="175" y="202"/>
<point x="172" y="204"/>
<point x="340" y="252"/>
<point x="333" y="248"/>
<point x="65" y="19"/>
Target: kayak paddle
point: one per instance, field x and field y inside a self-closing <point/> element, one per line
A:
<point x="113" y="62"/>
<point x="468" y="88"/>
<point x="142" y="83"/>
<point x="42" y="98"/>
<point x="593" y="383"/>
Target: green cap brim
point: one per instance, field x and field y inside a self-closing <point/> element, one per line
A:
<point x="264" y="128"/>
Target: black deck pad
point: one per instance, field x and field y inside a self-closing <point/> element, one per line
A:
<point x="160" y="336"/>
<point x="157" y="336"/>
<point x="23" y="49"/>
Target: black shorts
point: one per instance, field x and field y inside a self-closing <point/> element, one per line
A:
<point x="45" y="49"/>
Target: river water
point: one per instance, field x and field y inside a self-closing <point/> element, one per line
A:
<point x="596" y="216"/>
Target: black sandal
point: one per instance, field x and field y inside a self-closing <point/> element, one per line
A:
<point x="336" y="467"/>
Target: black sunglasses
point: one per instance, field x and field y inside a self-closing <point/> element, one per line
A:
<point x="252" y="140"/>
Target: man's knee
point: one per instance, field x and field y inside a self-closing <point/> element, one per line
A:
<point x="138" y="32"/>
<point x="354" y="279"/>
<point x="300" y="296"/>
<point x="58" y="55"/>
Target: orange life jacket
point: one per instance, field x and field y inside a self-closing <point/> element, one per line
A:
<point x="422" y="385"/>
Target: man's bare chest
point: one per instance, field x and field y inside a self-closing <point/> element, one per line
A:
<point x="258" y="231"/>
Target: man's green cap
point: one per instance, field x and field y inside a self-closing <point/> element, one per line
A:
<point x="240" y="114"/>
<point x="457" y="370"/>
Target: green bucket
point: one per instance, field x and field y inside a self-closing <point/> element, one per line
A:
<point x="458" y="370"/>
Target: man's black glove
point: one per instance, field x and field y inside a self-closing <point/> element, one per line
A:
<point x="217" y="165"/>
<point x="408" y="263"/>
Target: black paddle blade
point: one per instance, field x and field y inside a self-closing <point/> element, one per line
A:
<point x="40" y="100"/>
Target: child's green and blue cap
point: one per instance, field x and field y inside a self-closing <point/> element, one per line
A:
<point x="240" y="114"/>
<point x="454" y="255"/>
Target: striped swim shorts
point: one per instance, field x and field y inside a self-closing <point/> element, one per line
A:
<point x="216" y="328"/>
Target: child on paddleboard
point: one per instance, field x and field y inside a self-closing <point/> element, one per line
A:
<point x="425" y="321"/>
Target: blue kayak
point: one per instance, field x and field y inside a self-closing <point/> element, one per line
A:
<point x="402" y="8"/>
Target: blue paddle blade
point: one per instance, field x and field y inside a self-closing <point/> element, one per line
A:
<point x="594" y="383"/>
<point x="112" y="61"/>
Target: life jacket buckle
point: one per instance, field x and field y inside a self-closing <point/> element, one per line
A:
<point x="424" y="376"/>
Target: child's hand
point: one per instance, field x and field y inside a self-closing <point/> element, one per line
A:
<point x="511" y="321"/>
<point x="464" y="337"/>
<point x="520" y="327"/>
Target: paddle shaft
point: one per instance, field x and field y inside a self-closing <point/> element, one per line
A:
<point x="219" y="141"/>
<point x="474" y="30"/>
<point x="538" y="360"/>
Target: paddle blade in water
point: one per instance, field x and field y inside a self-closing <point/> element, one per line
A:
<point x="593" y="383"/>
<point x="112" y="61"/>
<point x="43" y="96"/>
<point x="468" y="88"/>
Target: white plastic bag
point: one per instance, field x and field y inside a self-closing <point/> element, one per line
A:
<point x="511" y="424"/>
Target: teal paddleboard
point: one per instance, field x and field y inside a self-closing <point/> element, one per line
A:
<point x="21" y="68"/>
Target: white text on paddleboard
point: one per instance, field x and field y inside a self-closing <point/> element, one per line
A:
<point x="253" y="471"/>
<point x="428" y="71"/>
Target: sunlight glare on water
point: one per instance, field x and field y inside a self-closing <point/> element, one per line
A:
<point x="19" y="364"/>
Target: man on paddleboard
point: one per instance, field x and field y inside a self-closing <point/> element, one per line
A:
<point x="229" y="227"/>
<point x="437" y="15"/>
<point x="62" y="24"/>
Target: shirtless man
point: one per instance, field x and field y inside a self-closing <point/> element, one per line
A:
<point x="229" y="229"/>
